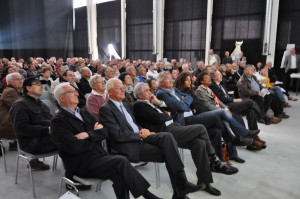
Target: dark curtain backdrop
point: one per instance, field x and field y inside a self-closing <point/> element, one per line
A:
<point x="37" y="28"/>
<point x="81" y="33"/>
<point x="236" y="20"/>
<point x="185" y="29"/>
<point x="288" y="29"/>
<point x="139" y="29"/>
<point x="108" y="28"/>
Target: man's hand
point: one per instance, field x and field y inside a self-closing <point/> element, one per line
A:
<point x="237" y="100"/>
<point x="167" y="112"/>
<point x="154" y="100"/>
<point x="49" y="130"/>
<point x="82" y="135"/>
<point x="144" y="133"/>
<point x="259" y="93"/>
<point x="97" y="126"/>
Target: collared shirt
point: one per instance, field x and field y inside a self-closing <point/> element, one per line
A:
<point x="128" y="117"/>
<point x="75" y="112"/>
<point x="293" y="62"/>
<point x="254" y="84"/>
<point x="98" y="94"/>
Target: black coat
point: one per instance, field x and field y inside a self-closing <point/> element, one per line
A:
<point x="84" y="86"/>
<point x="122" y="139"/>
<point x="219" y="93"/>
<point x="30" y="118"/>
<point x="75" y="152"/>
<point x="150" y="118"/>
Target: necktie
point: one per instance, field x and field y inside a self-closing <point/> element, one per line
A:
<point x="129" y="119"/>
<point x="77" y="114"/>
<point x="226" y="95"/>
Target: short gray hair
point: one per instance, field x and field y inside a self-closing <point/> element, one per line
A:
<point x="84" y="68"/>
<point x="10" y="76"/>
<point x="93" y="79"/>
<point x="185" y="66"/>
<point x="63" y="67"/>
<point x="59" y="90"/>
<point x="248" y="66"/>
<point x="140" y="67"/>
<point x="129" y="67"/>
<point x="138" y="89"/>
<point x="161" y="76"/>
<point x="110" y="84"/>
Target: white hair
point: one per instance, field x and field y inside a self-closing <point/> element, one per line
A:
<point x="185" y="66"/>
<point x="138" y="89"/>
<point x="93" y="79"/>
<point x="10" y="76"/>
<point x="59" y="90"/>
<point x="161" y="77"/>
<point x="110" y="84"/>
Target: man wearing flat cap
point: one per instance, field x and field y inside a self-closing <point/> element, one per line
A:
<point x="31" y="120"/>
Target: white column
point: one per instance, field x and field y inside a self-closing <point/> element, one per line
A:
<point x="123" y="28"/>
<point x="208" y="28"/>
<point x="159" y="29"/>
<point x="273" y="32"/>
<point x="92" y="29"/>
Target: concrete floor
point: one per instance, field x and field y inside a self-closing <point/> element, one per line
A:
<point x="270" y="173"/>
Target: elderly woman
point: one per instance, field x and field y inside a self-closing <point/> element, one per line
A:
<point x="152" y="85"/>
<point x="7" y="70"/>
<point x="127" y="82"/>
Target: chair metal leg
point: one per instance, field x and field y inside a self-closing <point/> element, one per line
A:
<point x="182" y="155"/>
<point x="17" y="169"/>
<point x="31" y="177"/>
<point x="59" y="188"/>
<point x="3" y="154"/>
<point x="71" y="183"/>
<point x="157" y="175"/>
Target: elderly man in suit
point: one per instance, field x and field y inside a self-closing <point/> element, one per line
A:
<point x="127" y="138"/>
<point x="77" y="135"/>
<point x="291" y="65"/>
<point x="147" y="110"/>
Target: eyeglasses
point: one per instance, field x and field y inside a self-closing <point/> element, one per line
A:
<point x="19" y="79"/>
<point x="71" y="91"/>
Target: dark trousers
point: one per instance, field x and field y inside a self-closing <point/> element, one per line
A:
<point x="287" y="79"/>
<point x="196" y="139"/>
<point x="264" y="104"/>
<point x="162" y="147"/>
<point x="118" y="169"/>
<point x="276" y="105"/>
<point x="246" y="107"/>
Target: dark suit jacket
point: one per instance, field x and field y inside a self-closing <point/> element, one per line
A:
<point x="74" y="152"/>
<point x="122" y="139"/>
<point x="176" y="107"/>
<point x="148" y="117"/>
<point x="219" y="93"/>
<point x="84" y="86"/>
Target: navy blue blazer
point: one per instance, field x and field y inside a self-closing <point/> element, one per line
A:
<point x="176" y="107"/>
<point x="121" y="137"/>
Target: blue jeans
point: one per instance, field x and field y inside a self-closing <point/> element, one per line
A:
<point x="278" y="92"/>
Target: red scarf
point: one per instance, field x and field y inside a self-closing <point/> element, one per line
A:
<point x="211" y="93"/>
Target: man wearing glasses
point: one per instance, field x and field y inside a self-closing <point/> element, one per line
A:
<point x="11" y="93"/>
<point x="31" y="120"/>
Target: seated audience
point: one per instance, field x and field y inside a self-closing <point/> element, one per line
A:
<point x="61" y="71"/>
<point x="7" y="70"/>
<point x="11" y="93"/>
<point x="129" y="139"/>
<point x="152" y="73"/>
<point x="200" y="68"/>
<point x="77" y="135"/>
<point x="249" y="87"/>
<point x="227" y="59"/>
<point x="109" y="73"/>
<point x="142" y="73"/>
<point x="83" y="83"/>
<point x="98" y="95"/>
<point x="45" y="75"/>
<point x="32" y="126"/>
<point x="132" y="72"/>
<point x="152" y="85"/>
<point x="127" y="83"/>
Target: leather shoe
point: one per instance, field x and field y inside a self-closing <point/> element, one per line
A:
<point x="213" y="191"/>
<point x="283" y="115"/>
<point x="273" y="121"/>
<point x="253" y="147"/>
<point x="176" y="197"/>
<point x="254" y="132"/>
<point x="286" y="105"/>
<point x="79" y="186"/>
<point x="238" y="159"/>
<point x="226" y="169"/>
<point x="188" y="188"/>
<point x="243" y="141"/>
<point x="259" y="140"/>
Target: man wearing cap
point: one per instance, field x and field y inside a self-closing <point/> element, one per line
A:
<point x="31" y="120"/>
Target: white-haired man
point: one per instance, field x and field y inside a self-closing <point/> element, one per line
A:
<point x="129" y="139"/>
<point x="77" y="135"/>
